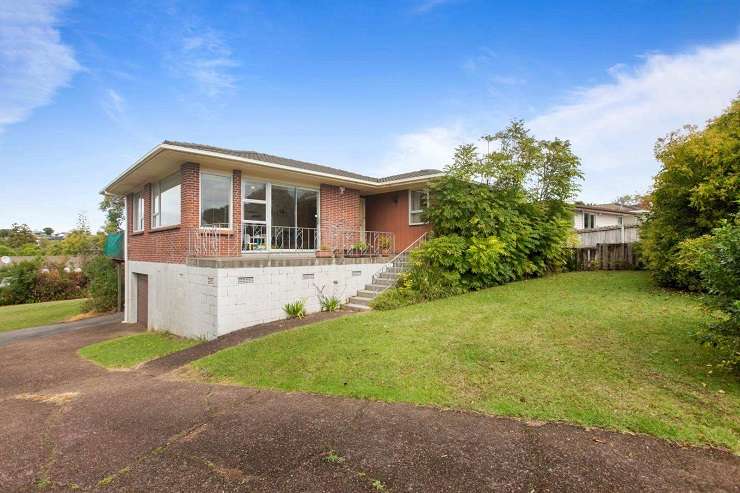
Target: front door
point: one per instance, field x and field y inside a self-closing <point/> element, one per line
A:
<point x="142" y="299"/>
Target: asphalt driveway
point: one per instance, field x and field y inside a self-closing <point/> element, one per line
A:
<point x="68" y="424"/>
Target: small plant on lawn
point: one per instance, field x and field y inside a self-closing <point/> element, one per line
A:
<point x="331" y="304"/>
<point x="296" y="309"/>
<point x="333" y="458"/>
<point x="378" y="485"/>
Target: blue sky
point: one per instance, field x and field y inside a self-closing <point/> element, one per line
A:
<point x="376" y="87"/>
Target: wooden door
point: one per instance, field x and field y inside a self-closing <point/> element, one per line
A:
<point x="142" y="299"/>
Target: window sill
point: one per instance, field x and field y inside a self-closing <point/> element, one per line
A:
<point x="164" y="228"/>
<point x="418" y="224"/>
<point x="137" y="233"/>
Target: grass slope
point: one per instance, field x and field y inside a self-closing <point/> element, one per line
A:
<point x="129" y="351"/>
<point x="34" y="314"/>
<point x="601" y="349"/>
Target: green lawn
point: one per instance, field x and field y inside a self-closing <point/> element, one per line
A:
<point x="34" y="314"/>
<point x="129" y="351"/>
<point x="601" y="349"/>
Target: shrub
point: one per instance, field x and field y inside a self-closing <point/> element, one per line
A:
<point x="687" y="261"/>
<point x="26" y="282"/>
<point x="720" y="270"/>
<point x="695" y="190"/>
<point x="103" y="287"/>
<point x="18" y="281"/>
<point x="29" y="250"/>
<point x="296" y="309"/>
<point x="5" y="250"/>
<point x="330" y="304"/>
<point x="393" y="298"/>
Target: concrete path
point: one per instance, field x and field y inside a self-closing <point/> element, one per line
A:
<point x="45" y="330"/>
<point x="67" y="424"/>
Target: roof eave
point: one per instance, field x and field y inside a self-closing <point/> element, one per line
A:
<point x="375" y="184"/>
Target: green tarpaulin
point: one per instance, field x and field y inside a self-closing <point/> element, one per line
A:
<point x="114" y="245"/>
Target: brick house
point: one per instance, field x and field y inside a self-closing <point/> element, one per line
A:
<point x="219" y="239"/>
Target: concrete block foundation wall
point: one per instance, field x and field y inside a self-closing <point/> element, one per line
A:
<point x="208" y="302"/>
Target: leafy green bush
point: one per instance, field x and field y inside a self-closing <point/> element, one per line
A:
<point x="103" y="287"/>
<point x="696" y="189"/>
<point x="688" y="260"/>
<point x="393" y="298"/>
<point x="27" y="282"/>
<point x="296" y="309"/>
<point x="720" y="271"/>
<point x="18" y="281"/>
<point x="496" y="217"/>
<point x="5" y="250"/>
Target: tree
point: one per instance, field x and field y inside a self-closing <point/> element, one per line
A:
<point x="640" y="200"/>
<point x="544" y="170"/>
<point x="19" y="235"/>
<point x="697" y="188"/>
<point x="113" y="207"/>
<point x="80" y="241"/>
<point x="48" y="231"/>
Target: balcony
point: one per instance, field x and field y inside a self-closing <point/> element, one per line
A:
<point x="251" y="239"/>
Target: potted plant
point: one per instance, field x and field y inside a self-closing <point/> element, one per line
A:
<point x="384" y="243"/>
<point x="323" y="252"/>
<point x="358" y="249"/>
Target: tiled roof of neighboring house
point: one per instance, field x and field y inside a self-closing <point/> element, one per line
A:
<point x="614" y="208"/>
<point x="269" y="158"/>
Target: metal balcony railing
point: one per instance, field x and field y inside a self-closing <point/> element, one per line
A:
<point x="255" y="237"/>
<point x="361" y="243"/>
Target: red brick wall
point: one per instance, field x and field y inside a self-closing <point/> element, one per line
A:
<point x="169" y="244"/>
<point x="339" y="210"/>
<point x="390" y="212"/>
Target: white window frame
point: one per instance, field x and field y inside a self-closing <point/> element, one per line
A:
<point x="417" y="211"/>
<point x="268" y="211"/>
<point x="157" y="202"/>
<point x="137" y="212"/>
<point x="230" y="176"/>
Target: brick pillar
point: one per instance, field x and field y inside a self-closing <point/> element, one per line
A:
<point x="147" y="206"/>
<point x="190" y="195"/>
<point x="236" y="216"/>
<point x="340" y="210"/>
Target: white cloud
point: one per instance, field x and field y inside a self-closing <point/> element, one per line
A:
<point x="613" y="126"/>
<point x="114" y="105"/>
<point x="425" y="6"/>
<point x="34" y="62"/>
<point x="428" y="148"/>
<point x="207" y="60"/>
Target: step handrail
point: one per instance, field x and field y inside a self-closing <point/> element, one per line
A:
<point x="414" y="244"/>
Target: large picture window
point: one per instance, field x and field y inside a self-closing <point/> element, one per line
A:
<point x="215" y="200"/>
<point x="279" y="217"/>
<point x="418" y="203"/>
<point x="166" y="202"/>
<point x="138" y="211"/>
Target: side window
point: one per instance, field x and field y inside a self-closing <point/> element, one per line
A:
<point x="588" y="220"/>
<point x="215" y="200"/>
<point x="138" y="212"/>
<point x="418" y="203"/>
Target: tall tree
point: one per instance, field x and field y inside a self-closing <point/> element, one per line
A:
<point x="544" y="170"/>
<point x="19" y="235"/>
<point x="697" y="188"/>
<point x="114" y="209"/>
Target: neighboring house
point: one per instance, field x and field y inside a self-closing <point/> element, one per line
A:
<point x="218" y="239"/>
<point x="607" y="223"/>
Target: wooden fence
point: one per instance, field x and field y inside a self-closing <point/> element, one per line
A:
<point x="609" y="234"/>
<point x="606" y="256"/>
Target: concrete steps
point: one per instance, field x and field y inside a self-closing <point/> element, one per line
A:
<point x="381" y="282"/>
